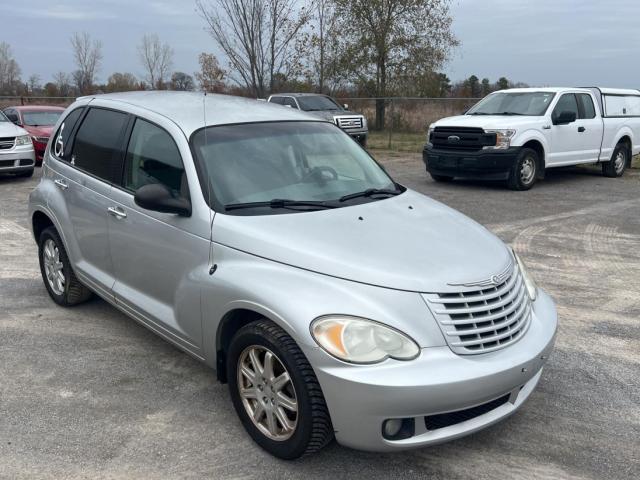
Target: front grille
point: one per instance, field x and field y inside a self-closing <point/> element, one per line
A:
<point x="486" y="316"/>
<point x="349" y="123"/>
<point x="461" y="138"/>
<point x="434" y="422"/>
<point x="7" y="143"/>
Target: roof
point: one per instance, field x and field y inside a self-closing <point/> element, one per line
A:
<point x="186" y="108"/>
<point x="299" y="95"/>
<point x="39" y="108"/>
<point x="610" y="91"/>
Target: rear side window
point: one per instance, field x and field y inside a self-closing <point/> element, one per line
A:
<point x="153" y="157"/>
<point x="62" y="146"/>
<point x="567" y="103"/>
<point x="588" y="109"/>
<point x="97" y="146"/>
<point x="622" y="105"/>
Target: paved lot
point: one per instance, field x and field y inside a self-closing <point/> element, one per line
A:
<point x="88" y="393"/>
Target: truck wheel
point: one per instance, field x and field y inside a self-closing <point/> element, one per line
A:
<point x="441" y="178"/>
<point x="618" y="163"/>
<point x="276" y="393"/>
<point x="61" y="283"/>
<point x="524" y="172"/>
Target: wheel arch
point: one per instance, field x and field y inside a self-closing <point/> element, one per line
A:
<point x="626" y="139"/>
<point x="537" y="146"/>
<point x="39" y="222"/>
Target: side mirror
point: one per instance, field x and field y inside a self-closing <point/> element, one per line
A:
<point x="565" y="118"/>
<point x="158" y="198"/>
<point x="346" y="106"/>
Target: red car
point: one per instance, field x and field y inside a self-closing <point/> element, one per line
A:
<point x="38" y="121"/>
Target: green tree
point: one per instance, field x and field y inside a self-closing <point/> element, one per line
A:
<point x="387" y="40"/>
<point x="182" y="82"/>
<point x="122" y="82"/>
<point x="503" y="83"/>
<point x="485" y="87"/>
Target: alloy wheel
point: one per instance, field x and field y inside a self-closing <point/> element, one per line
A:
<point x="267" y="392"/>
<point x="527" y="171"/>
<point x="53" y="267"/>
<point x="620" y="162"/>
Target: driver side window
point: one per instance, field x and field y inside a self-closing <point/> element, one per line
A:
<point x="566" y="103"/>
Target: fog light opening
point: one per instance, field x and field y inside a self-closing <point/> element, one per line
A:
<point x="398" y="428"/>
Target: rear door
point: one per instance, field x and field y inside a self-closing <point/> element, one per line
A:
<point x="590" y="127"/>
<point x="158" y="258"/>
<point x="84" y="175"/>
<point x="565" y="140"/>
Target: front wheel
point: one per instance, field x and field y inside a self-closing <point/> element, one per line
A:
<point x="618" y="163"/>
<point x="276" y="393"/>
<point x="524" y="172"/>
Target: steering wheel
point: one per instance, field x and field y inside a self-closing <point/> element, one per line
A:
<point x="317" y="173"/>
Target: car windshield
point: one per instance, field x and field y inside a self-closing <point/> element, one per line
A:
<point x="35" y="118"/>
<point x="514" y="103"/>
<point x="319" y="102"/>
<point x="283" y="162"/>
<point x="3" y="118"/>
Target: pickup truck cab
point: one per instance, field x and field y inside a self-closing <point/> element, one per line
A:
<point x="516" y="134"/>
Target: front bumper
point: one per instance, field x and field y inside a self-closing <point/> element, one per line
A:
<point x="361" y="398"/>
<point x="360" y="137"/>
<point x="17" y="159"/>
<point x="486" y="164"/>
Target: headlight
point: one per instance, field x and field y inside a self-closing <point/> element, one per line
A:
<point x="529" y="282"/>
<point x="358" y="340"/>
<point x="364" y="123"/>
<point x="503" y="139"/>
<point x="23" y="140"/>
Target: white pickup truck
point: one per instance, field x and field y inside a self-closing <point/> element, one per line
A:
<point x="516" y="134"/>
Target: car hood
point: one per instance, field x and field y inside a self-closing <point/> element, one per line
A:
<point x="409" y="242"/>
<point x="39" y="131"/>
<point x="487" y="121"/>
<point x="8" y="129"/>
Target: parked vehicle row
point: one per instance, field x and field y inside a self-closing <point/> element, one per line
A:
<point x="17" y="155"/>
<point x="266" y="243"/>
<point x="516" y="134"/>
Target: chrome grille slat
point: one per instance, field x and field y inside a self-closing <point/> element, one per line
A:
<point x="481" y="317"/>
<point x="349" y="122"/>
<point x="481" y="308"/>
<point x="487" y="318"/>
<point x="7" y="143"/>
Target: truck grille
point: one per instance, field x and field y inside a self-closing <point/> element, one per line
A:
<point x="487" y="317"/>
<point x="349" y="123"/>
<point x="7" y="143"/>
<point x="461" y="138"/>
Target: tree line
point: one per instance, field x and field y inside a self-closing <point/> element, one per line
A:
<point x="347" y="48"/>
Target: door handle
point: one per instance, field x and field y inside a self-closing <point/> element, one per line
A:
<point x="546" y="127"/>
<point x="117" y="212"/>
<point x="61" y="184"/>
<point x="582" y="129"/>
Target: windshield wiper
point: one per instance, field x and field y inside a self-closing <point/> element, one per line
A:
<point x="370" y="192"/>
<point x="279" y="203"/>
<point x="512" y="113"/>
<point x="479" y="113"/>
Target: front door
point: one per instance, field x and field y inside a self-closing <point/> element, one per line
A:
<point x="565" y="140"/>
<point x="158" y="259"/>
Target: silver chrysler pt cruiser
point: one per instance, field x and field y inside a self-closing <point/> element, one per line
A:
<point x="269" y="245"/>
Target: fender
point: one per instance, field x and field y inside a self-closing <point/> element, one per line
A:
<point x="528" y="135"/>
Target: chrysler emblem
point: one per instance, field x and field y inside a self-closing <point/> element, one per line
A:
<point x="495" y="280"/>
<point x="453" y="139"/>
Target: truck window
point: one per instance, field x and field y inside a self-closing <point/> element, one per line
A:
<point x="290" y="102"/>
<point x="278" y="100"/>
<point x="588" y="109"/>
<point x="566" y="103"/>
<point x="622" y="105"/>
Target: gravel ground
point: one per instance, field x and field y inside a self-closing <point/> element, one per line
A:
<point x="88" y="393"/>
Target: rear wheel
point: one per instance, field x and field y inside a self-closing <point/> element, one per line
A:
<point x="59" y="279"/>
<point x="276" y="393"/>
<point x="618" y="163"/>
<point x="524" y="172"/>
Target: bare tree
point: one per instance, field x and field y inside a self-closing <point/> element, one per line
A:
<point x="62" y="81"/>
<point x="34" y="84"/>
<point x="258" y="38"/>
<point x="157" y="60"/>
<point x="9" y="71"/>
<point x="182" y="82"/>
<point x="211" y="76"/>
<point x="328" y="64"/>
<point x="88" y="57"/>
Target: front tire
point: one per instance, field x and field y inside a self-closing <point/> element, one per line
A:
<point x="618" y="163"/>
<point x="276" y="393"/>
<point x="524" y="172"/>
<point x="59" y="279"/>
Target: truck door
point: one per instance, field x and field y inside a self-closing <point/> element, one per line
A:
<point x="565" y="138"/>
<point x="590" y="128"/>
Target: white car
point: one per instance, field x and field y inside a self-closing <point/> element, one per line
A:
<point x="17" y="155"/>
<point x="516" y="134"/>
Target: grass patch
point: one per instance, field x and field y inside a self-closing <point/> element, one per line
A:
<point x="400" y="142"/>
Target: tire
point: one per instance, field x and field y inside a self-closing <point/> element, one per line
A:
<point x="25" y="173"/>
<point x="69" y="291"/>
<point x="618" y="163"/>
<point x="524" y="171"/>
<point x="310" y="426"/>
<point x="441" y="178"/>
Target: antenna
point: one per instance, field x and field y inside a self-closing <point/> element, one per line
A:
<point x="212" y="266"/>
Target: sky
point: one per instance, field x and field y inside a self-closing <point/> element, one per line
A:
<point x="540" y="42"/>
